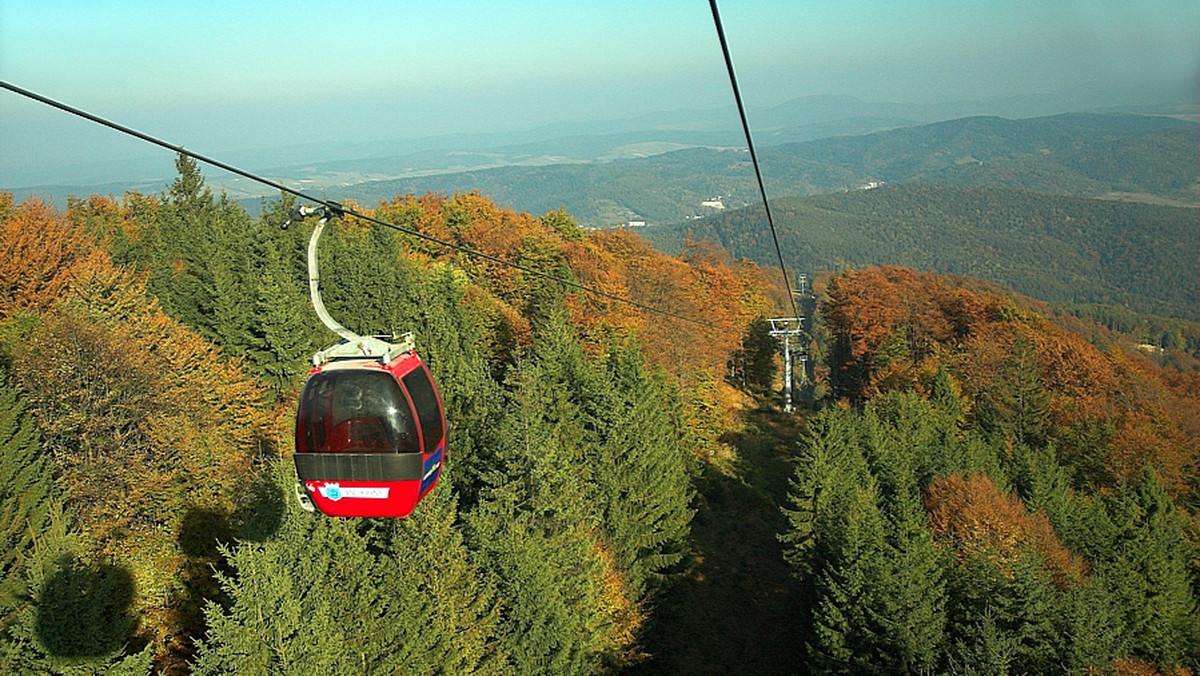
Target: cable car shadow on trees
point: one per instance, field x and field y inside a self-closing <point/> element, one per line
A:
<point x="201" y="534"/>
<point x="84" y="609"/>
<point x="259" y="517"/>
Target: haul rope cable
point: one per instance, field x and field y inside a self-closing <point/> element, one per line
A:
<point x="737" y="95"/>
<point x="340" y="209"/>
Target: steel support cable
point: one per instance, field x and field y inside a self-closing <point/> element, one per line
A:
<point x="737" y="96"/>
<point x="338" y="208"/>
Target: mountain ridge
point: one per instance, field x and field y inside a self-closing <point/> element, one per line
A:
<point x="1058" y="249"/>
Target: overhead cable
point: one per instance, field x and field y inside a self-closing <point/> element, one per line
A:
<point x="737" y="95"/>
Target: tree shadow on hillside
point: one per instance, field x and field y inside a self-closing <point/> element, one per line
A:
<point x="737" y="610"/>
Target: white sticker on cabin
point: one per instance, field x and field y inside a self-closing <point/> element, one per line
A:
<point x="335" y="492"/>
<point x="375" y="493"/>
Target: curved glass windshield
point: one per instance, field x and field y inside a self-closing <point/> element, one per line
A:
<point x="355" y="411"/>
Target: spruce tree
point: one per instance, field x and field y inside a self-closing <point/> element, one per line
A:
<point x="816" y="488"/>
<point x="355" y="596"/>
<point x="537" y="532"/>
<point x="944" y="395"/>
<point x="308" y="600"/>
<point x="1149" y="574"/>
<point x="188" y="189"/>
<point x="232" y="278"/>
<point x="877" y="578"/>
<point x="453" y="340"/>
<point x="1018" y="408"/>
<point x="845" y="628"/>
<point x="983" y="648"/>
<point x="183" y="249"/>
<point x="1003" y="612"/>
<point x="1089" y="627"/>
<point x="550" y="580"/>
<point x="27" y="488"/>
<point x="282" y="338"/>
<point x="642" y="469"/>
<point x="443" y="610"/>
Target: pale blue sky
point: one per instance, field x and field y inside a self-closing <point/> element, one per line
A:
<point x="219" y="76"/>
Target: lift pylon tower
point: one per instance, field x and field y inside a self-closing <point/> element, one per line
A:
<point x="787" y="328"/>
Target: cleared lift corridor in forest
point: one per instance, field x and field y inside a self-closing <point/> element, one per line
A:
<point x="734" y="613"/>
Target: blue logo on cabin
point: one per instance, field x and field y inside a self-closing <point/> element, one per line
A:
<point x="430" y="470"/>
<point x="331" y="491"/>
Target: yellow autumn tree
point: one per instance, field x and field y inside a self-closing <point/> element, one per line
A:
<point x="151" y="430"/>
<point x="40" y="255"/>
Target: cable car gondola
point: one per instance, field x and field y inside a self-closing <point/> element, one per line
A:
<point x="370" y="427"/>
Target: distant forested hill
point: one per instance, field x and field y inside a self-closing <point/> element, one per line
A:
<point x="1085" y="155"/>
<point x="663" y="188"/>
<point x="1079" y="154"/>
<point x="1058" y="249"/>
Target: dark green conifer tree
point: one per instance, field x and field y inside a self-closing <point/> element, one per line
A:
<point x="943" y="396"/>
<point x="365" y="285"/>
<point x="1018" y="407"/>
<point x="452" y="340"/>
<point x="188" y="189"/>
<point x="26" y="495"/>
<point x="283" y="336"/>
<point x="846" y="631"/>
<point x="815" y="488"/>
<point x="537" y="529"/>
<point x="550" y="581"/>
<point x="1004" y="613"/>
<point x="232" y="278"/>
<point x="443" y="609"/>
<point x="307" y="600"/>
<point x="1089" y="626"/>
<point x="643" y="482"/>
<point x="181" y="248"/>
<point x="873" y="573"/>
<point x="346" y="595"/>
<point x="983" y="649"/>
<point x="1148" y="572"/>
<point x="912" y="593"/>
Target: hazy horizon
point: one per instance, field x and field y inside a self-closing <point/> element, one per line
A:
<point x="223" y="78"/>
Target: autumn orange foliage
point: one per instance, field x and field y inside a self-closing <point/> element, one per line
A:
<point x="892" y="328"/>
<point x="1129" y="666"/>
<point x="41" y="253"/>
<point x="624" y="616"/>
<point x="147" y="424"/>
<point x="973" y="516"/>
<point x="724" y="298"/>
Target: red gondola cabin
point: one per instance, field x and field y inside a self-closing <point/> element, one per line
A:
<point x="370" y="436"/>
<point x="370" y="430"/>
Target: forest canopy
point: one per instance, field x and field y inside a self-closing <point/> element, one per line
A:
<point x="979" y="484"/>
<point x="152" y="348"/>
